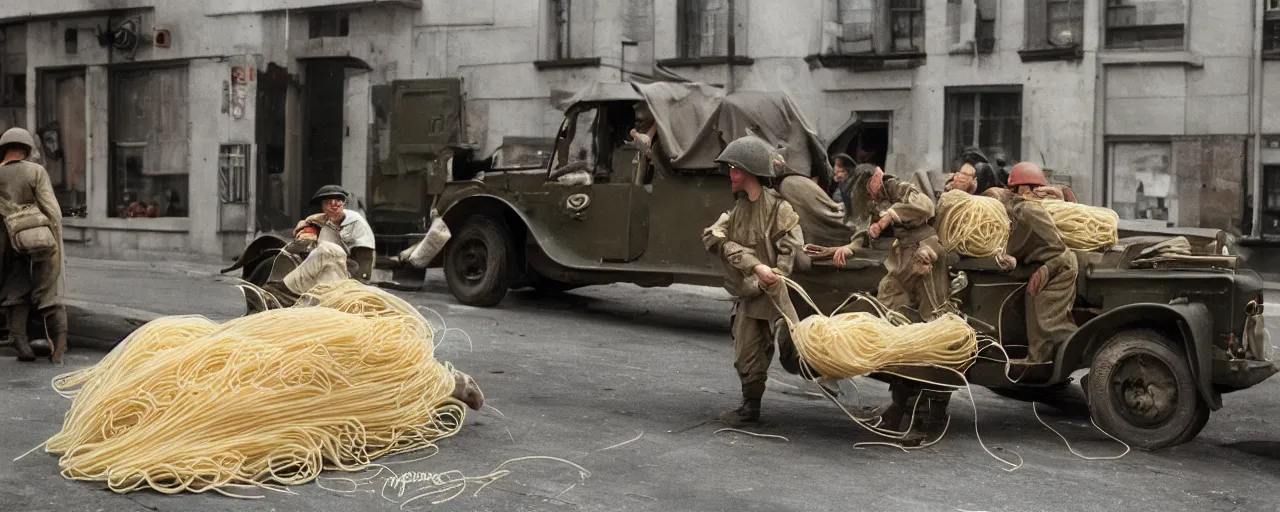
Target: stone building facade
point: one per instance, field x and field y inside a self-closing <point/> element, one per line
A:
<point x="183" y="127"/>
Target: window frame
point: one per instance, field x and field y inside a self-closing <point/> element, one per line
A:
<point x="341" y="20"/>
<point x="1271" y="32"/>
<point x="45" y="115"/>
<point x="560" y="33"/>
<point x="114" y="197"/>
<point x="1142" y="45"/>
<point x="951" y="115"/>
<point x="1109" y="175"/>
<point x="883" y="40"/>
<point x="1037" y="42"/>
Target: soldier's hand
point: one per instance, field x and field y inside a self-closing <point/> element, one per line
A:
<point x="1006" y="261"/>
<point x="925" y="256"/>
<point x="1038" y="280"/>
<point x="873" y="231"/>
<point x="766" y="275"/>
<point x="840" y="257"/>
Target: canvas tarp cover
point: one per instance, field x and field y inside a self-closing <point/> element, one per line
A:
<point x="695" y="121"/>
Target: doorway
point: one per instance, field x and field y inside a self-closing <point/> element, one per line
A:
<point x="865" y="138"/>
<point x="322" y="115"/>
<point x="272" y="209"/>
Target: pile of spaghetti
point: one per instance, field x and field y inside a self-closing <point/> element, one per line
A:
<point x="855" y="344"/>
<point x="975" y="226"/>
<point x="184" y="404"/>
<point x="1084" y="227"/>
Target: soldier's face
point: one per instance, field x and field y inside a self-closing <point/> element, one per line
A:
<point x="841" y="172"/>
<point x="738" y="178"/>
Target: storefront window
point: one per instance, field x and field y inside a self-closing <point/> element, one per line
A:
<point x="149" y="143"/>
<point x="1143" y="186"/>
<point x="62" y="134"/>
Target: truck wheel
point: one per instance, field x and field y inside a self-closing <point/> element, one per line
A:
<point x="1141" y="391"/>
<point x="477" y="262"/>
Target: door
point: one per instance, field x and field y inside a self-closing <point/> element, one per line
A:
<point x="416" y="122"/>
<point x="607" y="218"/>
<point x="273" y="91"/>
<point x="322" y="108"/>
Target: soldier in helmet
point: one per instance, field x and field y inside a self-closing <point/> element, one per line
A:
<point x="917" y="269"/>
<point x="758" y="240"/>
<point x="32" y="255"/>
<point x="1051" y="292"/>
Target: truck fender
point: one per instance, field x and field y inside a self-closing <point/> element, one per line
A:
<point x="494" y="205"/>
<point x="1189" y="325"/>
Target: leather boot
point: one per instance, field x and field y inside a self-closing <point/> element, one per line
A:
<point x="56" y="322"/>
<point x="749" y="411"/>
<point x="18" y="316"/>
<point x="467" y="391"/>
<point x="891" y="418"/>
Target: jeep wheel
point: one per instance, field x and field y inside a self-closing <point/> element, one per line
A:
<point x="1140" y="390"/>
<point x="477" y="262"/>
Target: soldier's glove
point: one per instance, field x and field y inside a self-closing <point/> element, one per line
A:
<point x="1038" y="280"/>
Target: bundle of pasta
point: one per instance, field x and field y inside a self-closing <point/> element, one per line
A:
<point x="1083" y="227"/>
<point x="184" y="404"/>
<point x="975" y="226"/>
<point x="856" y="344"/>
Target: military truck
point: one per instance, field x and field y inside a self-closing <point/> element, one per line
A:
<point x="1163" y="333"/>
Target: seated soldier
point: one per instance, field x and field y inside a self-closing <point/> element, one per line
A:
<point x="1051" y="292"/>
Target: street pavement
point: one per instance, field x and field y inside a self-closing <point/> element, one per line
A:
<point x="620" y="379"/>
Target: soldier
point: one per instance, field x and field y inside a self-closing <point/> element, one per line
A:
<point x="916" y="279"/>
<point x="758" y="240"/>
<point x="821" y="218"/>
<point x="1051" y="292"/>
<point x="32" y="246"/>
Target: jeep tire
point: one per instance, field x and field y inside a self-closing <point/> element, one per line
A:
<point x="477" y="262"/>
<point x="1140" y="389"/>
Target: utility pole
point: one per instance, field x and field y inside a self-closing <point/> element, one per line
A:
<point x="733" y="45"/>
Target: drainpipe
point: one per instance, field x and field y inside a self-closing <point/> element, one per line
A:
<point x="1255" y="97"/>
<point x="733" y="45"/>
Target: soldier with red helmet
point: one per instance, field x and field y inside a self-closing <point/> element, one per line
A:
<point x="1034" y="239"/>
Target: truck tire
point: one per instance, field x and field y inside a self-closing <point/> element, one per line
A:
<point x="477" y="262"/>
<point x="1140" y="390"/>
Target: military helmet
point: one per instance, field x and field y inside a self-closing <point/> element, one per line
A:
<point x="330" y="192"/>
<point x="751" y="154"/>
<point x="1027" y="173"/>
<point x="18" y="137"/>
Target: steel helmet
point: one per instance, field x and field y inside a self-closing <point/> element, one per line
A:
<point x="330" y="191"/>
<point x="1027" y="173"/>
<point x="751" y="154"/>
<point x="19" y="137"/>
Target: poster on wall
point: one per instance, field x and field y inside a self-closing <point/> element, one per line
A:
<point x="1142" y="182"/>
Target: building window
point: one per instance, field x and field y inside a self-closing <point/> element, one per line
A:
<point x="1271" y="200"/>
<point x="233" y="174"/>
<point x="1146" y="24"/>
<point x="877" y="27"/>
<point x="1271" y="30"/>
<point x="1142" y="184"/>
<point x="62" y="132"/>
<point x="71" y="41"/>
<point x="330" y="23"/>
<point x="984" y="30"/>
<point x="13" y="91"/>
<point x="561" y="30"/>
<point x="149" y="133"/>
<point x="989" y="120"/>
<point x="704" y="28"/>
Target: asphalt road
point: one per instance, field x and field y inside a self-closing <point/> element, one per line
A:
<point x="618" y="380"/>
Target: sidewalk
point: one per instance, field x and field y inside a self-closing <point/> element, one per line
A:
<point x="133" y="288"/>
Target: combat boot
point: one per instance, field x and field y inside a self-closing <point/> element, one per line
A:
<point x="56" y="322"/>
<point x="748" y="412"/>
<point x="17" y="317"/>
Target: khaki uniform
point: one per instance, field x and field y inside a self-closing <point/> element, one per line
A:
<point x="1034" y="240"/>
<point x="37" y="281"/>
<point x="902" y="286"/>
<point x="765" y="231"/>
